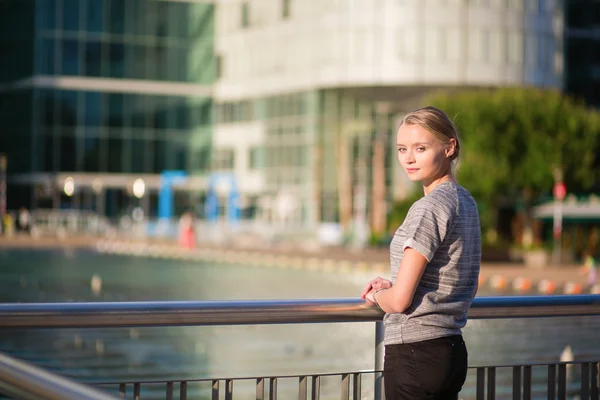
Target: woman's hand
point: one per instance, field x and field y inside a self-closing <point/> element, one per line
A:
<point x="370" y="297"/>
<point x="375" y="284"/>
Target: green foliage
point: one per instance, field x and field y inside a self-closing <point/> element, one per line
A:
<point x="513" y="138"/>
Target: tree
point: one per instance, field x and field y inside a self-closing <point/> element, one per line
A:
<point x="513" y="139"/>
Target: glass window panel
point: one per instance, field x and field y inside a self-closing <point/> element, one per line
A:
<point x="115" y="110"/>
<point x="245" y="15"/>
<point x="151" y="18"/>
<point x="94" y="20"/>
<point x="48" y="143"/>
<point x="161" y="152"/>
<point x="181" y="153"/>
<point x="116" y="60"/>
<point x="182" y="115"/>
<point x="114" y="160"/>
<point x="203" y="23"/>
<point x="128" y="107"/>
<point x="66" y="152"/>
<point x="46" y="63"/>
<point x="142" y="17"/>
<point x="138" y="150"/>
<point x="161" y="113"/>
<point x="184" y="65"/>
<point x="201" y="114"/>
<point x="135" y="63"/>
<point x="93" y="108"/>
<point x="173" y="66"/>
<point x="70" y="57"/>
<point x="178" y="20"/>
<point x="70" y="14"/>
<point x="159" y="60"/>
<point x="93" y="58"/>
<point x="91" y="151"/>
<point x="531" y="50"/>
<point x="130" y="16"/>
<point x="46" y="11"/>
<point x="139" y="112"/>
<point x="47" y="108"/>
<point x="162" y="19"/>
<point x="257" y="158"/>
<point x="285" y="9"/>
<point x="152" y="55"/>
<point x="66" y="108"/>
<point x="116" y="18"/>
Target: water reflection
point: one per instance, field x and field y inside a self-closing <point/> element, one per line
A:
<point x="234" y="351"/>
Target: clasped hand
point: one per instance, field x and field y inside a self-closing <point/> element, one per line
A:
<point x="372" y="286"/>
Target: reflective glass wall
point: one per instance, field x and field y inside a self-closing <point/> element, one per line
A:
<point x="16" y="39"/>
<point x="582" y="76"/>
<point x="116" y="132"/>
<point x="74" y="125"/>
<point x="135" y="39"/>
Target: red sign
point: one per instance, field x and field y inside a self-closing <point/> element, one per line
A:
<point x="559" y="191"/>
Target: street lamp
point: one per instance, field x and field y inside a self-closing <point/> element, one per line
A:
<point x="69" y="186"/>
<point x="139" y="188"/>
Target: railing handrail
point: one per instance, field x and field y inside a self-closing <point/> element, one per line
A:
<point x="197" y="313"/>
<point x="26" y="381"/>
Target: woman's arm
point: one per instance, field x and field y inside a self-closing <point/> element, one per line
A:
<point x="399" y="297"/>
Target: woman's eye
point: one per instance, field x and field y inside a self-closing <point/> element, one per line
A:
<point x="420" y="148"/>
<point x="401" y="150"/>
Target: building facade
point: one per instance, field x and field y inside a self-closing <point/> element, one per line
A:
<point x="582" y="55"/>
<point x="293" y="102"/>
<point x="104" y="92"/>
<point x="310" y="92"/>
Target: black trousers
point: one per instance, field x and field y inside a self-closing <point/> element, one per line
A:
<point x="432" y="369"/>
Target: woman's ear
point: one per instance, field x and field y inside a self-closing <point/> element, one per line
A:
<point x="451" y="147"/>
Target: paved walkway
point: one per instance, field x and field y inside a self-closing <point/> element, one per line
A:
<point x="499" y="278"/>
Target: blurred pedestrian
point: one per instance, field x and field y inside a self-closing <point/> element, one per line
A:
<point x="8" y="224"/>
<point x="187" y="236"/>
<point x="435" y="260"/>
<point x="24" y="220"/>
<point x="590" y="268"/>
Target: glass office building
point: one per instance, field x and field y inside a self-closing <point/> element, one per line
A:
<point x="582" y="61"/>
<point x="101" y="89"/>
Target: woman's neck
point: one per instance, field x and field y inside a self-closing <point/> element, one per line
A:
<point x="428" y="187"/>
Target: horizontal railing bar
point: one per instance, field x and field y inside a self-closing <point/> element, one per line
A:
<point x="26" y="381"/>
<point x="329" y="374"/>
<point x="197" y="313"/>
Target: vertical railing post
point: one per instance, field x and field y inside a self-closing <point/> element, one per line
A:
<point x="379" y="355"/>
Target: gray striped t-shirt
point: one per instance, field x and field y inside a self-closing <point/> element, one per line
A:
<point x="444" y="227"/>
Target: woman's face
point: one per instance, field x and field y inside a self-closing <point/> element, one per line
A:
<point x="423" y="156"/>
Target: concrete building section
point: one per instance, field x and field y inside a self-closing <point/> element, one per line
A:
<point x="359" y="57"/>
<point x="243" y="141"/>
<point x="385" y="43"/>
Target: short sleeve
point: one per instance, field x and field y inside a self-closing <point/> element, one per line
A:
<point x="426" y="228"/>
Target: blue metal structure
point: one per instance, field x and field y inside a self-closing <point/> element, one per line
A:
<point x="165" y="194"/>
<point x="212" y="205"/>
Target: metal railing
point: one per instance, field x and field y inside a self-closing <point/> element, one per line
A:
<point x="65" y="223"/>
<point x="198" y="313"/>
<point x="25" y="381"/>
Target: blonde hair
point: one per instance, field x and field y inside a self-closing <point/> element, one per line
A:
<point x="437" y="122"/>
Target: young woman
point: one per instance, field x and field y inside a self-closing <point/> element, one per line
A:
<point x="435" y="258"/>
